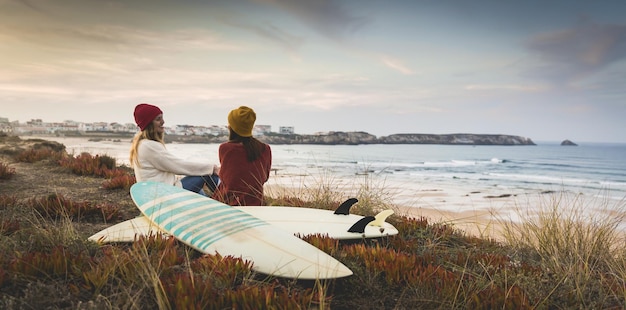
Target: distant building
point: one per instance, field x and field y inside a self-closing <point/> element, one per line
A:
<point x="35" y="122"/>
<point x="38" y="126"/>
<point x="286" y="130"/>
<point x="100" y="126"/>
<point x="5" y="126"/>
<point x="260" y="130"/>
<point x="218" y="130"/>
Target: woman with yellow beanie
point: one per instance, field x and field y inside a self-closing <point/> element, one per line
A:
<point x="245" y="162"/>
<point x="151" y="161"/>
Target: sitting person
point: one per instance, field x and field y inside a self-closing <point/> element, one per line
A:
<point x="153" y="162"/>
<point x="245" y="162"/>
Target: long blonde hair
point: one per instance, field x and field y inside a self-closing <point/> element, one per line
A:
<point x="148" y="133"/>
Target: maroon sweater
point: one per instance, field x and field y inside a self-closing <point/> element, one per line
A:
<point x="241" y="181"/>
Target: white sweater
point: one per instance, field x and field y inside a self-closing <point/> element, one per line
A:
<point x="156" y="163"/>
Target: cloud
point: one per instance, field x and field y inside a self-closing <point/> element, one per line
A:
<point x="396" y="65"/>
<point x="29" y="5"/>
<point x="114" y="37"/>
<point x="327" y="17"/>
<point x="290" y="43"/>
<point x="511" y="87"/>
<point x="569" y="55"/>
<point x="39" y="90"/>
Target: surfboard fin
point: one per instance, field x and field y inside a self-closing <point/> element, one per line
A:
<point x="359" y="226"/>
<point x="344" y="208"/>
<point x="381" y="217"/>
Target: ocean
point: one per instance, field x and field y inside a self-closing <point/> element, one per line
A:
<point x="443" y="177"/>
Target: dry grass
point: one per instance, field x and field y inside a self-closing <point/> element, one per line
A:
<point x="578" y="241"/>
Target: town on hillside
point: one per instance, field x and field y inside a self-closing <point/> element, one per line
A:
<point x="39" y="127"/>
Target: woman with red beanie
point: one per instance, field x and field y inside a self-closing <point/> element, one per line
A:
<point x="245" y="162"/>
<point x="153" y="162"/>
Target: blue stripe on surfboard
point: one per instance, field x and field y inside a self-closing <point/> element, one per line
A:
<point x="168" y="215"/>
<point x="154" y="209"/>
<point x="179" y="202"/>
<point x="154" y="206"/>
<point x="210" y="220"/>
<point x="233" y="220"/>
<point x="202" y="240"/>
<point x="158" y="199"/>
<point x="176" y="201"/>
<point x="217" y="237"/>
<point x="224" y="226"/>
<point x="168" y="219"/>
<point x="200" y="214"/>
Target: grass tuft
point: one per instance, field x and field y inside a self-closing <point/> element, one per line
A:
<point x="6" y="172"/>
<point x="578" y="244"/>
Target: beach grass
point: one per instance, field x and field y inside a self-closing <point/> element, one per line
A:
<point x="567" y="253"/>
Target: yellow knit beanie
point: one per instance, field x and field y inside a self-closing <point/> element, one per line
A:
<point x="241" y="120"/>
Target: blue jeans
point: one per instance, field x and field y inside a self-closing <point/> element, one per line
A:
<point x="195" y="183"/>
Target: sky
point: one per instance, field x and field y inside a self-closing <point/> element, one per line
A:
<point x="546" y="70"/>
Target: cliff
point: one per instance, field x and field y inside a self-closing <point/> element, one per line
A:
<point x="359" y="137"/>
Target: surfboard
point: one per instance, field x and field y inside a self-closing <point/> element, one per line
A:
<point x="298" y="221"/>
<point x="301" y="222"/>
<point x="211" y="227"/>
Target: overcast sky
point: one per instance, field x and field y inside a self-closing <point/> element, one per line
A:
<point x="546" y="70"/>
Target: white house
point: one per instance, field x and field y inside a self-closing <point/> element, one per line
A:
<point x="286" y="130"/>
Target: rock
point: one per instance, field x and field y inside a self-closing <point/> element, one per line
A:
<point x="568" y="143"/>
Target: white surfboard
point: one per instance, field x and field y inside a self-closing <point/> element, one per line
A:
<point x="298" y="221"/>
<point x="210" y="226"/>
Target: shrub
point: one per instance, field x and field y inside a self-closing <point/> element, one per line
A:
<point x="124" y="181"/>
<point x="6" y="172"/>
<point x="101" y="166"/>
<point x="7" y="201"/>
<point x="37" y="154"/>
<point x="54" y="206"/>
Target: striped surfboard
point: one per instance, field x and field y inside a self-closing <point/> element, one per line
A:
<point x="210" y="227"/>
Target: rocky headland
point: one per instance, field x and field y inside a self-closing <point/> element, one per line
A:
<point x="359" y="137"/>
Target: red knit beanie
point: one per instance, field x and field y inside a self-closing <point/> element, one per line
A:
<point x="145" y="114"/>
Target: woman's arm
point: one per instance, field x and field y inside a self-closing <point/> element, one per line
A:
<point x="160" y="158"/>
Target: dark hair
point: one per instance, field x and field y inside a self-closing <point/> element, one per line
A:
<point x="254" y="148"/>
